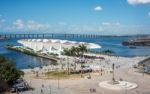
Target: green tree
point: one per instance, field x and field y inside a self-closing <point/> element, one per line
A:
<point x="8" y="71"/>
<point x="82" y="49"/>
<point x="66" y="51"/>
<point x="75" y="51"/>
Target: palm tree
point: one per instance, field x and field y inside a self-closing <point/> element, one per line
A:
<point x="73" y="51"/>
<point x="67" y="51"/>
<point x="83" y="49"/>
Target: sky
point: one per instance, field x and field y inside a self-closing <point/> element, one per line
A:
<point x="102" y="17"/>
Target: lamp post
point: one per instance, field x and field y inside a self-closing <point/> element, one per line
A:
<point x="61" y="64"/>
<point x="68" y="65"/>
<point x="50" y="89"/>
<point x="126" y="88"/>
<point x="57" y="79"/>
<point x="58" y="82"/>
<point x="113" y="78"/>
<point x="75" y="64"/>
<point x="143" y="67"/>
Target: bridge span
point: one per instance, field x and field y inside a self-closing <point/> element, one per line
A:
<point x="47" y="35"/>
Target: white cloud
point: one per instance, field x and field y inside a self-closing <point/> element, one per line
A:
<point x="74" y="28"/>
<point x="107" y="28"/>
<point x="2" y="21"/>
<point x="104" y="28"/>
<point x="98" y="8"/>
<point x="110" y="24"/>
<point x="1" y="24"/>
<point x="28" y="26"/>
<point x="117" y="23"/>
<point x="105" y="23"/>
<point x="32" y="26"/>
<point x="149" y="14"/>
<point x="62" y="23"/>
<point x="137" y="2"/>
<point x="84" y="29"/>
<point x="18" y="24"/>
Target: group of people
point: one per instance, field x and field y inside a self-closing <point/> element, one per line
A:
<point x="92" y="90"/>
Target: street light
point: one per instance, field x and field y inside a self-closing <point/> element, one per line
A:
<point x="50" y="84"/>
<point x="126" y="88"/>
<point x="143" y="67"/>
<point x="113" y="78"/>
<point x="58" y="82"/>
<point x="57" y="79"/>
<point x="68" y="65"/>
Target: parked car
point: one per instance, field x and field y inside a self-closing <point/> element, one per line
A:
<point x="19" y="85"/>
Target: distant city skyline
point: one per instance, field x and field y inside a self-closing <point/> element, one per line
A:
<point x="102" y="17"/>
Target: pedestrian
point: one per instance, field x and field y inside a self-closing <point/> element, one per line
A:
<point x="42" y="85"/>
<point x="90" y="90"/>
<point x="41" y="91"/>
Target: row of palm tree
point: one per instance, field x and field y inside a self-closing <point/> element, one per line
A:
<point x="75" y="51"/>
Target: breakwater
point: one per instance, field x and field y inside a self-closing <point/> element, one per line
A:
<point x="137" y="42"/>
<point x="31" y="52"/>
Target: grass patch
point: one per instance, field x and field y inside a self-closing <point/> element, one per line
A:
<point x="56" y="74"/>
<point x="61" y="75"/>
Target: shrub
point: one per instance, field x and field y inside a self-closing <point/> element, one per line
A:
<point x="8" y="71"/>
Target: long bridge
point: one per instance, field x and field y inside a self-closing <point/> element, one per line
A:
<point x="47" y="35"/>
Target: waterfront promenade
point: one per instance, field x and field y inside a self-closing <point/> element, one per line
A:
<point x="79" y="85"/>
<point x="83" y="85"/>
